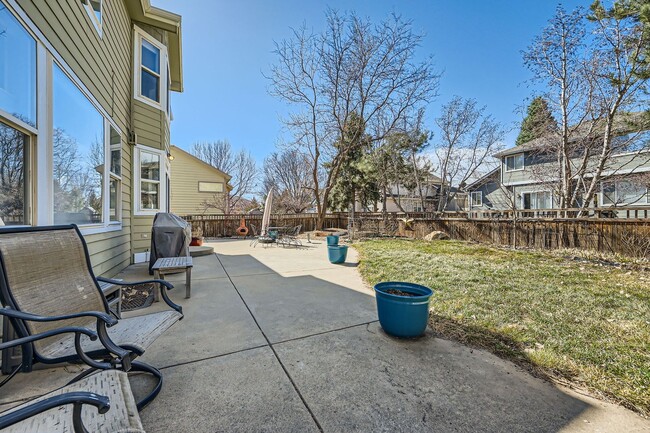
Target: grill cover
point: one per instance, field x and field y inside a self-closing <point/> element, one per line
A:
<point x="170" y="237"/>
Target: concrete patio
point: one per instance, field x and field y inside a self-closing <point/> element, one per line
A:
<point x="278" y="339"/>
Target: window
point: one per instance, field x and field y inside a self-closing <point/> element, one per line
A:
<point x="623" y="192"/>
<point x="94" y="9"/>
<point x="515" y="162"/>
<point x="152" y="73"/>
<point x="609" y="193"/>
<point x="210" y="187"/>
<point x="537" y="200"/>
<point x="17" y="70"/>
<point x="115" y="176"/>
<point x="13" y="180"/>
<point x="79" y="154"/>
<point x="151" y="185"/>
<point x="477" y="198"/>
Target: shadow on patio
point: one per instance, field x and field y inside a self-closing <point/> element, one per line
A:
<point x="280" y="340"/>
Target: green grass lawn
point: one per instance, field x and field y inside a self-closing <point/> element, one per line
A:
<point x="567" y="319"/>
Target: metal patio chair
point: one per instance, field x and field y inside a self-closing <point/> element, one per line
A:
<point x="258" y="238"/>
<point x="47" y="281"/>
<point x="290" y="237"/>
<point x="68" y="409"/>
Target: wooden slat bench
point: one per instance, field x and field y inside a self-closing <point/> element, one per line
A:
<point x="170" y="265"/>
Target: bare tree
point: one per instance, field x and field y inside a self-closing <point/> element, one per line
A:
<point x="239" y="165"/>
<point x="354" y="66"/>
<point x="592" y="83"/>
<point x="290" y="173"/>
<point x="468" y="139"/>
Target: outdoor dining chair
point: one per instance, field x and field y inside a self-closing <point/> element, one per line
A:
<point x="100" y="403"/>
<point x="47" y="281"/>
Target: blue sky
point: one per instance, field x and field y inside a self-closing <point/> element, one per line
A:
<point x="227" y="46"/>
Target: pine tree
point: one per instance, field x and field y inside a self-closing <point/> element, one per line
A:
<point x="539" y="121"/>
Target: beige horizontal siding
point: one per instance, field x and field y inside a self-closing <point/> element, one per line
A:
<point x="186" y="174"/>
<point x="104" y="66"/>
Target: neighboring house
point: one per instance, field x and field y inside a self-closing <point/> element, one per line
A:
<point x="85" y="117"/>
<point x="487" y="193"/>
<point x="196" y="186"/>
<point x="525" y="178"/>
<point x="411" y="200"/>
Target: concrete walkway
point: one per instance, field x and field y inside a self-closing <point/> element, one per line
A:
<point x="279" y="340"/>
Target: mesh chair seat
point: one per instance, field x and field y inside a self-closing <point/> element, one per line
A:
<point x="134" y="332"/>
<point x="121" y="417"/>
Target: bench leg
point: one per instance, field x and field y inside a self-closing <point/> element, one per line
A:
<point x="157" y="288"/>
<point x="188" y="282"/>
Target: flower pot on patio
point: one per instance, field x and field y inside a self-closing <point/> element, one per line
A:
<point x="403" y="308"/>
<point x="332" y="240"/>
<point x="337" y="253"/>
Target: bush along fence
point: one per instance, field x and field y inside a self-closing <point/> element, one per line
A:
<point x="624" y="231"/>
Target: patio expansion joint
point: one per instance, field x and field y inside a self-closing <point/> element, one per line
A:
<point x="277" y="357"/>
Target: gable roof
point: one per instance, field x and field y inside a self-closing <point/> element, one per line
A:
<point x="142" y="11"/>
<point x="483" y="179"/>
<point x="205" y="164"/>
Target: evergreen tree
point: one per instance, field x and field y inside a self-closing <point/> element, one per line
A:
<point x="539" y="121"/>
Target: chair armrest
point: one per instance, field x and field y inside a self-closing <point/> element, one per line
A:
<point x="103" y="321"/>
<point x="51" y="333"/>
<point x="106" y="318"/>
<point x="162" y="283"/>
<point x="167" y="284"/>
<point x="75" y="398"/>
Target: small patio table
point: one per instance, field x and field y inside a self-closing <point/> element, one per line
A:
<point x="168" y="265"/>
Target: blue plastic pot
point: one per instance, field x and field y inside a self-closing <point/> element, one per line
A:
<point x="337" y="253"/>
<point x="332" y="240"/>
<point x="403" y="316"/>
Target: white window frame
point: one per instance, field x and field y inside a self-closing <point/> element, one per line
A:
<point x="113" y="176"/>
<point x="97" y="23"/>
<point x="139" y="35"/>
<point x="473" y="202"/>
<point x="523" y="162"/>
<point x="162" y="191"/>
<point x="41" y="144"/>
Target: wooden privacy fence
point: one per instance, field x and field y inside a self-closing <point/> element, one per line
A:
<point x="214" y="226"/>
<point x="530" y="229"/>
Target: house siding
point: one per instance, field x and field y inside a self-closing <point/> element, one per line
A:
<point x="104" y="66"/>
<point x="187" y="172"/>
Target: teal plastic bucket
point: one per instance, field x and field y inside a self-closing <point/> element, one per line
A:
<point x="337" y="253"/>
<point x="403" y="316"/>
<point x="332" y="240"/>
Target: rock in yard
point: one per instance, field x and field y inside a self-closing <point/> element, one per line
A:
<point x="436" y="235"/>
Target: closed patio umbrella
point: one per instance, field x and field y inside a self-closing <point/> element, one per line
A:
<point x="266" y="217"/>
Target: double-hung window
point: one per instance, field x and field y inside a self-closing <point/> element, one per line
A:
<point x="477" y="198"/>
<point x="151" y="71"/>
<point x="151" y="185"/>
<point x="115" y="176"/>
<point x="515" y="162"/>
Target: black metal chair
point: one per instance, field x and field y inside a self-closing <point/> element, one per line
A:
<point x="47" y="281"/>
<point x="69" y="408"/>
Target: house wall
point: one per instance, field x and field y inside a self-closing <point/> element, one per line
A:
<point x="104" y="66"/>
<point x="187" y="172"/>
<point x="540" y="172"/>
<point x="495" y="197"/>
